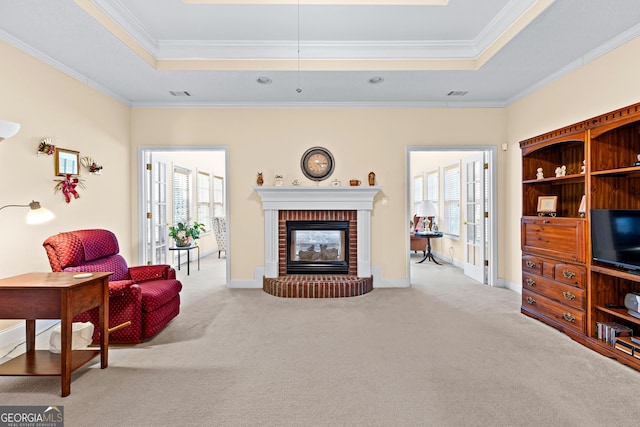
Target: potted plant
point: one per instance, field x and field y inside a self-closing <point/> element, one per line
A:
<point x="184" y="234"/>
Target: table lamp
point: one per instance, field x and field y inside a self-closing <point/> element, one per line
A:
<point x="427" y="209"/>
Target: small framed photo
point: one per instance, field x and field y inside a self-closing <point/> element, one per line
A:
<point x="66" y="162"/>
<point x="583" y="206"/>
<point x="547" y="205"/>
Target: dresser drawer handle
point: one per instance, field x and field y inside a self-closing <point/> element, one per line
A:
<point x="569" y="274"/>
<point x="531" y="264"/>
<point x="531" y="300"/>
<point x="569" y="296"/>
<point x="530" y="282"/>
<point x="568" y="317"/>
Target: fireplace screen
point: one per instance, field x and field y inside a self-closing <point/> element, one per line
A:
<point x="317" y="247"/>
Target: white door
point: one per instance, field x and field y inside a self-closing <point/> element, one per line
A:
<point x="155" y="198"/>
<point x="474" y="178"/>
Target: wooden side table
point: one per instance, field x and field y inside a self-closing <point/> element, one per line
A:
<point x="34" y="296"/>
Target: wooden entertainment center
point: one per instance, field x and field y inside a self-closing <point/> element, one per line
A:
<point x="562" y="285"/>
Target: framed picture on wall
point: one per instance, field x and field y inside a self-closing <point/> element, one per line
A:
<point x="66" y="162"/>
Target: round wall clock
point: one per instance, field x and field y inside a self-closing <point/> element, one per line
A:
<point x="317" y="163"/>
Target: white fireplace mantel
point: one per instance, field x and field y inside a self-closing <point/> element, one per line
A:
<point x="277" y="198"/>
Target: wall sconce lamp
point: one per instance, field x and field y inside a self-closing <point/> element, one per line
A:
<point x="37" y="214"/>
<point x="427" y="209"/>
<point x="8" y="129"/>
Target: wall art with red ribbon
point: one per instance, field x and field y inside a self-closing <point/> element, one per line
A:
<point x="69" y="186"/>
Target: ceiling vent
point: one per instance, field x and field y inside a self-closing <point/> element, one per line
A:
<point x="457" y="93"/>
<point x="179" y="93"/>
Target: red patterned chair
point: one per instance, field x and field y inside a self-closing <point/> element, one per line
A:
<point x="147" y="296"/>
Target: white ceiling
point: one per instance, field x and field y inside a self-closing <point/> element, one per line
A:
<point x="495" y="50"/>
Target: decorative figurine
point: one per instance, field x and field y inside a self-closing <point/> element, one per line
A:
<point x="583" y="167"/>
<point x="278" y="180"/>
<point x="539" y="175"/>
<point x="561" y="171"/>
<point x="259" y="179"/>
<point x="295" y="182"/>
<point x="372" y="178"/>
<point x="638" y="162"/>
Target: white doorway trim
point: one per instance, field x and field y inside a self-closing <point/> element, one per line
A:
<point x="141" y="216"/>
<point x="491" y="151"/>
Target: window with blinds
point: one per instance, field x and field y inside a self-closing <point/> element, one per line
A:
<point x="181" y="195"/>
<point x="451" y="192"/>
<point x="218" y="196"/>
<point x="204" y="199"/>
<point x="433" y="190"/>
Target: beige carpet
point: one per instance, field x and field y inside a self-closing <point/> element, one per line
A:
<point x="446" y="352"/>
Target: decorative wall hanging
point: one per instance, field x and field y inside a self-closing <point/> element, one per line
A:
<point x="68" y="185"/>
<point x="67" y="162"/>
<point x="46" y="147"/>
<point x="91" y="166"/>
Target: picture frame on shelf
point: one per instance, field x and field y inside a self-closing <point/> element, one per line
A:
<point x="582" y="209"/>
<point x="547" y="205"/>
<point x="66" y="162"/>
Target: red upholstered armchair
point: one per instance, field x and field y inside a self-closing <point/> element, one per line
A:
<point x="148" y="296"/>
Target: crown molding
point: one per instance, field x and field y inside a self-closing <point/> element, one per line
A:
<point x="189" y="55"/>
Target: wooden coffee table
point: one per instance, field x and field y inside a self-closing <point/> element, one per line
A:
<point x="34" y="296"/>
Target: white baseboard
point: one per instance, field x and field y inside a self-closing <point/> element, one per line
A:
<point x="15" y="335"/>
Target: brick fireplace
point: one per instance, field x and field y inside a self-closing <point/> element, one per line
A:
<point x="350" y="204"/>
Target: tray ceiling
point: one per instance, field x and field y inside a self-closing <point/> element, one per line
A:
<point x="451" y="53"/>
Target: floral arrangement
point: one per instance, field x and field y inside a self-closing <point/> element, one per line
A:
<point x="46" y="147"/>
<point x="183" y="233"/>
<point x="68" y="186"/>
<point x="91" y="165"/>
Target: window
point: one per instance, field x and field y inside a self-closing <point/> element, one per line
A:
<point x="418" y="191"/>
<point x="181" y="195"/>
<point x="452" y="199"/>
<point x="433" y="190"/>
<point x="204" y="199"/>
<point x="218" y="196"/>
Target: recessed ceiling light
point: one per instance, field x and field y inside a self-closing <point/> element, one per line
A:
<point x="457" y="93"/>
<point x="375" y="80"/>
<point x="179" y="93"/>
<point x="263" y="80"/>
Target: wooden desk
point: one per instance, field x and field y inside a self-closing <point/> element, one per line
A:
<point x="429" y="235"/>
<point x="54" y="296"/>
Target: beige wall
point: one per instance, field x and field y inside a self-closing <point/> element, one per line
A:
<point x="273" y="140"/>
<point x="48" y="103"/>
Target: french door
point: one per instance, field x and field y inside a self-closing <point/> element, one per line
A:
<point x="155" y="231"/>
<point x="474" y="221"/>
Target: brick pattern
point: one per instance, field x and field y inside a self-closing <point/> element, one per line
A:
<point x="329" y="215"/>
<point x="317" y="286"/>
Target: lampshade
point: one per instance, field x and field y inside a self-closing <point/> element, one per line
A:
<point x="8" y="129"/>
<point x="426" y="209"/>
<point x="37" y="214"/>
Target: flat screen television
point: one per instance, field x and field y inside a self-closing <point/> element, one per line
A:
<point x="615" y="237"/>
